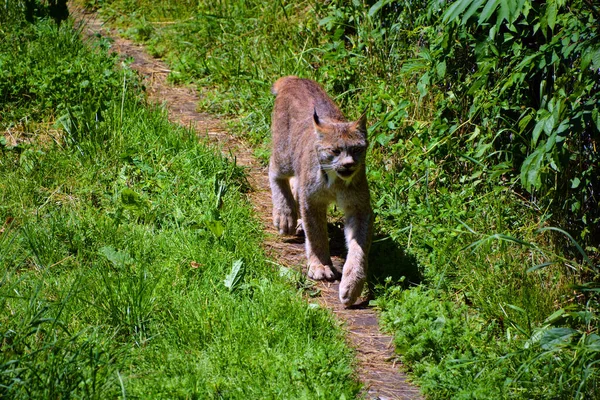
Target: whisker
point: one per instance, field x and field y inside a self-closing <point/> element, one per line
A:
<point x="327" y="167"/>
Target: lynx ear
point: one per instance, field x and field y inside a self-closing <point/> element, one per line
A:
<point x="361" y="124"/>
<point x="322" y="129"/>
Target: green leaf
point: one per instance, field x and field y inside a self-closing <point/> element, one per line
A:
<point x="524" y="122"/>
<point x="551" y="12"/>
<point x="575" y="207"/>
<point x="376" y="7"/>
<point x="475" y="5"/>
<point x="555" y="316"/>
<point x="575" y="183"/>
<point x="383" y="139"/>
<point x="518" y="9"/>
<point x="555" y="337"/>
<point x="423" y="84"/>
<point x="531" y="170"/>
<point x="516" y="308"/>
<point x="535" y="338"/>
<point x="536" y="132"/>
<point x="596" y="118"/>
<point x="413" y="65"/>
<point x="539" y="266"/>
<point x="586" y="59"/>
<point x="592" y="342"/>
<point x="326" y="21"/>
<point x="496" y="236"/>
<point x="456" y="9"/>
<point x="503" y="13"/>
<point x="596" y="59"/>
<point x="234" y="278"/>
<point x="144" y="167"/>
<point x="439" y="323"/>
<point x="564" y="125"/>
<point x="216" y="227"/>
<point x="528" y="61"/>
<point x="130" y="198"/>
<point x="550" y="145"/>
<point x="287" y="273"/>
<point x="118" y="258"/>
<point x="441" y="69"/>
<point x="488" y="10"/>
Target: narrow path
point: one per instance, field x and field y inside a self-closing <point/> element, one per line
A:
<point x="378" y="366"/>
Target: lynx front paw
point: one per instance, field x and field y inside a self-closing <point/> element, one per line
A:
<point x="284" y="222"/>
<point x="319" y="272"/>
<point x="351" y="285"/>
<point x="299" y="228"/>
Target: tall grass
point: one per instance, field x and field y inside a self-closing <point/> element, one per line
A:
<point x="118" y="231"/>
<point x="508" y="304"/>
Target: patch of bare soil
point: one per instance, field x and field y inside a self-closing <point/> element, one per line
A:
<point x="378" y="366"/>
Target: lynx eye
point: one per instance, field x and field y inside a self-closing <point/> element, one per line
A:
<point x="335" y="152"/>
<point x="357" y="150"/>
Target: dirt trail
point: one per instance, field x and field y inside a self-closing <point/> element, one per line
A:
<point x="378" y="366"/>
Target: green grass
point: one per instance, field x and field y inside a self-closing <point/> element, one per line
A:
<point x="505" y="304"/>
<point x="119" y="234"/>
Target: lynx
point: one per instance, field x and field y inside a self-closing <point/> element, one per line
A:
<point x="324" y="155"/>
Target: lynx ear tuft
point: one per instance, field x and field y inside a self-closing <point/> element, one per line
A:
<point x="361" y="124"/>
<point x="316" y="118"/>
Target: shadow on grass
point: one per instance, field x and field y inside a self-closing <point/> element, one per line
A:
<point x="386" y="259"/>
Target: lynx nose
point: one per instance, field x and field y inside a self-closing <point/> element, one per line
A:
<point x="347" y="162"/>
<point x="346" y="169"/>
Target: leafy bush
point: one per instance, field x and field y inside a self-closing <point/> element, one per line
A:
<point x="17" y="11"/>
<point x="532" y="83"/>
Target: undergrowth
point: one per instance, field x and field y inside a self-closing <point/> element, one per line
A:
<point x="483" y="163"/>
<point x="130" y="261"/>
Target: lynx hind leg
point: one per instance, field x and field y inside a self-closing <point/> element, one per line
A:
<point x="285" y="209"/>
<point x="294" y="187"/>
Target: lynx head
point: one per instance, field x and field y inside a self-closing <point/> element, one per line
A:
<point x="341" y="146"/>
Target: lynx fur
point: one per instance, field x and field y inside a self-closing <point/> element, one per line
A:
<point x="324" y="154"/>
